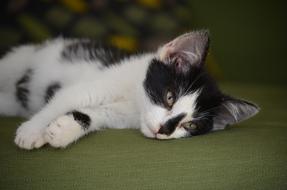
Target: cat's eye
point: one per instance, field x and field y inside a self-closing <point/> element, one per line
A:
<point x="169" y="98"/>
<point x="189" y="125"/>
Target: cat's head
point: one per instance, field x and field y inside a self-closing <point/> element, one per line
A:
<point x="180" y="98"/>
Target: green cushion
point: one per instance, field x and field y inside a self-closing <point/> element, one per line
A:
<point x="251" y="155"/>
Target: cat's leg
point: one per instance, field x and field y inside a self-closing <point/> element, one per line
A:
<point x="31" y="133"/>
<point x="73" y="125"/>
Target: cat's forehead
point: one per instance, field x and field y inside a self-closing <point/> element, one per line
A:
<point x="162" y="77"/>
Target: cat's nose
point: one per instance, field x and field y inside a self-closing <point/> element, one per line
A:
<point x="170" y="125"/>
<point x="163" y="130"/>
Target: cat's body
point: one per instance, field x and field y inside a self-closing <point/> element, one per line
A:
<point x="73" y="87"/>
<point x="41" y="72"/>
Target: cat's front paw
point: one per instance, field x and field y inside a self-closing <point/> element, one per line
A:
<point x="29" y="136"/>
<point x="63" y="131"/>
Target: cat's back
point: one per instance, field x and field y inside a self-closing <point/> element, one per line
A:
<point x="64" y="51"/>
<point x="38" y="71"/>
<point x="74" y="60"/>
<point x="66" y="59"/>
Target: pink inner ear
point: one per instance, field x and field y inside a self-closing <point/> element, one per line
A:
<point x="167" y="51"/>
<point x="178" y="62"/>
<point x="169" y="44"/>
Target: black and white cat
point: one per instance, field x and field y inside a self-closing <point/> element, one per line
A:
<point x="74" y="87"/>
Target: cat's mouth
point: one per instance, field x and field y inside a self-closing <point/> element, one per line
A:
<point x="174" y="127"/>
<point x="181" y="129"/>
<point x="184" y="126"/>
<point x="179" y="132"/>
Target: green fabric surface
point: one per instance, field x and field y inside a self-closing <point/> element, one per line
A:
<point x="251" y="155"/>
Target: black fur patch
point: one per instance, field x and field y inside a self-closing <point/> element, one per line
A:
<point x="91" y="50"/>
<point x="83" y="119"/>
<point x="51" y="90"/>
<point x="162" y="77"/>
<point x="169" y="127"/>
<point x="22" y="88"/>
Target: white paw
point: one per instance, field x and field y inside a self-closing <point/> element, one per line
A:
<point x="29" y="136"/>
<point x="63" y="131"/>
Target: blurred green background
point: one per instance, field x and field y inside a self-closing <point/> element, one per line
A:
<point x="248" y="37"/>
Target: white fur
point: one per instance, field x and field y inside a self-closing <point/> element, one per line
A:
<point x="62" y="131"/>
<point x="113" y="96"/>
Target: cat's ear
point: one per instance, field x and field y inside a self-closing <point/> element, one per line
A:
<point x="233" y="111"/>
<point x="187" y="49"/>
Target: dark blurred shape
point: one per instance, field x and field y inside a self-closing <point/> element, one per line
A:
<point x="133" y="26"/>
<point x="130" y="25"/>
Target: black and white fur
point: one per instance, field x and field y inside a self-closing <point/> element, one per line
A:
<point x="70" y="88"/>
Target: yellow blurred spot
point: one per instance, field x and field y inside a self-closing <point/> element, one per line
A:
<point x="150" y="3"/>
<point x="124" y="42"/>
<point x="78" y="6"/>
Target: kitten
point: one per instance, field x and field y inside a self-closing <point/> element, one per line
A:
<point x="74" y="87"/>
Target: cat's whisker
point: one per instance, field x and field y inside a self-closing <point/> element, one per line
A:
<point x="195" y="80"/>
